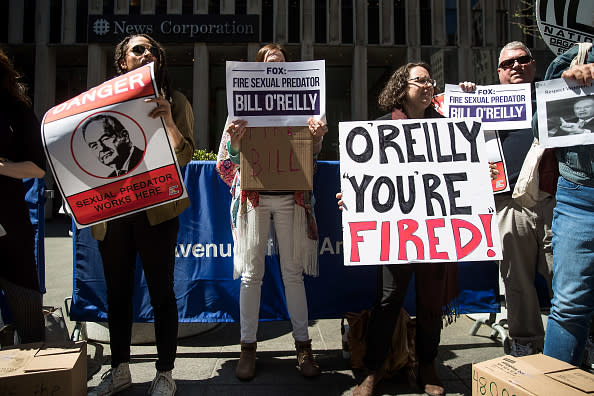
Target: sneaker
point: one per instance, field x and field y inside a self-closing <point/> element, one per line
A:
<point x="113" y="381"/>
<point x="519" y="350"/>
<point x="589" y="354"/>
<point x="163" y="384"/>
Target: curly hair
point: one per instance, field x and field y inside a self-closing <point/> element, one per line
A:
<point x="10" y="81"/>
<point x="161" y="74"/>
<point x="273" y="46"/>
<point x="393" y="95"/>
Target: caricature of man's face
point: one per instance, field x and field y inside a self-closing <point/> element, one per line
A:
<point x="111" y="147"/>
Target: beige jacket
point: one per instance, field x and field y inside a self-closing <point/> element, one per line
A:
<point x="184" y="119"/>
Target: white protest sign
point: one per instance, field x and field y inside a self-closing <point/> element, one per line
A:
<point x="108" y="156"/>
<point x="564" y="23"/>
<point x="276" y="93"/>
<point x="416" y="191"/>
<point x="565" y="113"/>
<point x="501" y="106"/>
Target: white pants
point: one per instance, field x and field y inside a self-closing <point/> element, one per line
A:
<point x="281" y="208"/>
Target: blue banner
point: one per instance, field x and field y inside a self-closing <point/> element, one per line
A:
<point x="204" y="285"/>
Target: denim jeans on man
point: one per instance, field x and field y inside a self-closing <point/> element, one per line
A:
<point x="573" y="272"/>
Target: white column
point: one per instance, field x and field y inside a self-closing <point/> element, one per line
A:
<point x="413" y="31"/>
<point x="174" y="7"/>
<point x="438" y="26"/>
<point x="148" y="7"/>
<point x="68" y="21"/>
<point x="465" y="67"/>
<point x="280" y="18"/>
<point x="359" y="81"/>
<point x="386" y="22"/>
<point x="200" y="87"/>
<point x="307" y="29"/>
<point x="121" y="7"/>
<point x="334" y="22"/>
<point x="96" y="55"/>
<point x="227" y="7"/>
<point x="16" y="14"/>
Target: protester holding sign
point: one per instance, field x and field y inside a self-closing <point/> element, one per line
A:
<point x="21" y="156"/>
<point x="295" y="227"/>
<point x="573" y="230"/>
<point x="409" y="95"/>
<point x="151" y="233"/>
<point x="525" y="232"/>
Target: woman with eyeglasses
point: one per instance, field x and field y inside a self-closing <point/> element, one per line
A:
<point x="152" y="234"/>
<point x="409" y="95"/>
<point x="297" y="236"/>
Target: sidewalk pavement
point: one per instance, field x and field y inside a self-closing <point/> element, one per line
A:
<point x="205" y="363"/>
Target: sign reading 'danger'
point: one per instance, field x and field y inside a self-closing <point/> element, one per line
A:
<point x="276" y="94"/>
<point x="109" y="158"/>
<point x="416" y="191"/>
<point x="277" y="159"/>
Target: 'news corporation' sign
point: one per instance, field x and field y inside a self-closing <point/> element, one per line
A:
<point x="175" y="28"/>
<point x="565" y="22"/>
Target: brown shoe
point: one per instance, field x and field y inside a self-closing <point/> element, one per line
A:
<point x="305" y="359"/>
<point x="429" y="380"/>
<point x="368" y="385"/>
<point x="246" y="367"/>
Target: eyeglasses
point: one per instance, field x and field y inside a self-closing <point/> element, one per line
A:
<point x="423" y="81"/>
<point x="509" y="63"/>
<point x="140" y="49"/>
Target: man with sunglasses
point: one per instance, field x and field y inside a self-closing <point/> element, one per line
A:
<point x="525" y="232"/>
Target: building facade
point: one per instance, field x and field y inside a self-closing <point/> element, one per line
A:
<point x="54" y="43"/>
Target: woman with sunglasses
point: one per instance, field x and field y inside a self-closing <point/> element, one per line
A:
<point x="297" y="238"/>
<point x="409" y="95"/>
<point x="151" y="233"/>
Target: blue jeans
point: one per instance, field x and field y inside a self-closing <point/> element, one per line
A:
<point x="573" y="272"/>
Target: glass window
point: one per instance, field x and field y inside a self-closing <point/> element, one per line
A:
<point x="452" y="21"/>
<point x="399" y="22"/>
<point x="214" y="7"/>
<point x="55" y="21"/>
<point x="373" y="22"/>
<point x="320" y="22"/>
<point x="502" y="24"/>
<point x="187" y="7"/>
<point x="108" y="6"/>
<point x="266" y="21"/>
<point x="347" y="21"/>
<point x="82" y="12"/>
<point x="240" y="7"/>
<point x="477" y="23"/>
<point x="29" y="23"/>
<point x="4" y="21"/>
<point x="425" y="22"/>
<point x="294" y="19"/>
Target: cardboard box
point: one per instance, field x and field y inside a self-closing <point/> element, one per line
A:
<point x="44" y="369"/>
<point x="277" y="159"/>
<point x="530" y="375"/>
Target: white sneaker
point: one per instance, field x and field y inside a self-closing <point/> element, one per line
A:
<point x="163" y="384"/>
<point x="113" y="381"/>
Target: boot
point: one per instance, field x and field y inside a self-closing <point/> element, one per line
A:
<point x="305" y="359"/>
<point x="368" y="385"/>
<point x="246" y="367"/>
<point x="429" y="380"/>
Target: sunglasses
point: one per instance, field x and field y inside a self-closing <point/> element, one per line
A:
<point x="423" y="81"/>
<point x="140" y="49"/>
<point x="509" y="63"/>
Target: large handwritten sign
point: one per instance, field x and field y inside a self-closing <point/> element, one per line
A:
<point x="274" y="94"/>
<point x="277" y="159"/>
<point x="108" y="157"/>
<point x="416" y="190"/>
